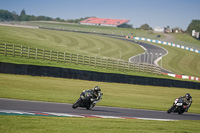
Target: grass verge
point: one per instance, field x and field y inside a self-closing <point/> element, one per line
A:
<point x="24" y="124"/>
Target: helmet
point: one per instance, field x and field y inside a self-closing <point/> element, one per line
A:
<point x="97" y="89"/>
<point x="187" y="96"/>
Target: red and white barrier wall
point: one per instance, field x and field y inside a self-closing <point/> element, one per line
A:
<point x="182" y="76"/>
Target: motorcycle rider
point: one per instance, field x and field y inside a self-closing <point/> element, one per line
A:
<point x="188" y="100"/>
<point x="96" y="94"/>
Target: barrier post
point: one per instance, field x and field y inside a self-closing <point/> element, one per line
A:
<point x="5" y="49"/>
<point x="36" y="53"/>
<point x="83" y="60"/>
<point x="77" y="59"/>
<point x="21" y="51"/>
<point x="64" y="57"/>
<point x="95" y="61"/>
<point x="28" y="52"/>
<point x="89" y="61"/>
<point x="50" y="55"/>
<point x="57" y="56"/>
<point x="70" y="58"/>
<point x="107" y="64"/>
<point x="101" y="62"/>
<point x="13" y="50"/>
<point x="43" y="55"/>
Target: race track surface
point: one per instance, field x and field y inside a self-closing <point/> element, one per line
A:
<point x="24" y="105"/>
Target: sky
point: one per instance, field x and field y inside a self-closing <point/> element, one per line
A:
<point x="156" y="13"/>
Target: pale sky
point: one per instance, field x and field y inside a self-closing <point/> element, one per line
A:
<point x="156" y="13"/>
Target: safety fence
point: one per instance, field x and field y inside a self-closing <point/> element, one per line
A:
<point x="65" y="57"/>
<point x="166" y="43"/>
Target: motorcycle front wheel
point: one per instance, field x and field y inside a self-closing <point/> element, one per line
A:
<point x="76" y="104"/>
<point x="170" y="109"/>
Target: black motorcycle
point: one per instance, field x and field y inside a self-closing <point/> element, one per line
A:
<point x="178" y="106"/>
<point x="86" y="102"/>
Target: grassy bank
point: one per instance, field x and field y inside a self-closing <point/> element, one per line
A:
<point x="116" y="95"/>
<point x="180" y="61"/>
<point x="90" y="28"/>
<point x="62" y="41"/>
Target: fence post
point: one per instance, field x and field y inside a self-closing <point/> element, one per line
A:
<point x="36" y="53"/>
<point x="64" y="57"/>
<point x="95" y="61"/>
<point x="28" y="52"/>
<point x="112" y="64"/>
<point x="89" y="61"/>
<point x="70" y="58"/>
<point x="5" y="49"/>
<point x="43" y="54"/>
<point x="118" y="64"/>
<point x="21" y="51"/>
<point x="57" y="56"/>
<point x="128" y="66"/>
<point x="101" y="62"/>
<point x="77" y="59"/>
<point x="123" y="66"/>
<point x="13" y="50"/>
<point x="107" y="64"/>
<point x="83" y="60"/>
<point x="50" y="55"/>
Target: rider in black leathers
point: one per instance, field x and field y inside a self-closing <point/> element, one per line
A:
<point x="96" y="94"/>
<point x="188" y="100"/>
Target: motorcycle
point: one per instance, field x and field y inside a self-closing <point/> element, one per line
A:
<point x="179" y="106"/>
<point x="86" y="102"/>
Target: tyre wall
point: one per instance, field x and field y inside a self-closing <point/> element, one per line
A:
<point x="34" y="70"/>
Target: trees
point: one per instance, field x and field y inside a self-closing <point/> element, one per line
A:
<point x="145" y="27"/>
<point x="23" y="13"/>
<point x="6" y="15"/>
<point x="194" y="25"/>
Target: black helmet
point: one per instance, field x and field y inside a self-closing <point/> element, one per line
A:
<point x="187" y="96"/>
<point x="97" y="89"/>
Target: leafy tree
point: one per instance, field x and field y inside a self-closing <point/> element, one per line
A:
<point x="23" y="16"/>
<point x="145" y="27"/>
<point x="6" y="15"/>
<point x="194" y="25"/>
<point x="23" y="13"/>
<point x="15" y="16"/>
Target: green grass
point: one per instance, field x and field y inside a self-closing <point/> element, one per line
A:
<point x="181" y="61"/>
<point x="89" y="28"/>
<point x="116" y="95"/>
<point x="186" y="40"/>
<point x="24" y="124"/>
<point x="178" y="61"/>
<point x="63" y="41"/>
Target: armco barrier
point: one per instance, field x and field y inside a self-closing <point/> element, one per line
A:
<point x="92" y="76"/>
<point x="167" y="43"/>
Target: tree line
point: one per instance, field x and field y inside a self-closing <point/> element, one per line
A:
<point x="194" y="25"/>
<point x="13" y="16"/>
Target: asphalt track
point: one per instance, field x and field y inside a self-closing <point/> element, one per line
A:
<point x="25" y="105"/>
